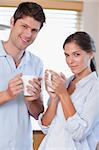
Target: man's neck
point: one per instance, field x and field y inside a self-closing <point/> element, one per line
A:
<point x="15" y="53"/>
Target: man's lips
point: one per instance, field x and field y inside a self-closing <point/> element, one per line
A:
<point x="24" y="40"/>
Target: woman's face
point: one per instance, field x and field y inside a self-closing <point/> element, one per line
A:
<point x="76" y="58"/>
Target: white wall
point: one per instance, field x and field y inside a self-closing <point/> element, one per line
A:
<point x="91" y="23"/>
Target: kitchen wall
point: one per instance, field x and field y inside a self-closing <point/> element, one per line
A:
<point x="91" y="23"/>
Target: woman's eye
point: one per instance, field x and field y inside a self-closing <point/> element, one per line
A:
<point x="23" y="26"/>
<point x="66" y="55"/>
<point x="76" y="54"/>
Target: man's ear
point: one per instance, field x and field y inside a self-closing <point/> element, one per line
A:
<point x="11" y="22"/>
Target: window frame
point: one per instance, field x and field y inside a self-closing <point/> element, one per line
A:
<point x="49" y="4"/>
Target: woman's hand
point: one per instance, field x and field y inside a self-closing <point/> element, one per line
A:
<point x="48" y="85"/>
<point x="58" y="82"/>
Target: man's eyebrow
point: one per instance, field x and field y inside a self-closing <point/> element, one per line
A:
<point x="33" y="29"/>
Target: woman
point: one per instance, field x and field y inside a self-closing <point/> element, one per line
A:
<point x="71" y="120"/>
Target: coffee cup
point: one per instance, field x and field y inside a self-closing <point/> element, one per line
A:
<point x="50" y="82"/>
<point x="26" y="83"/>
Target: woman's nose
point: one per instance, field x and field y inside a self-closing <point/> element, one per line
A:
<point x="70" y="60"/>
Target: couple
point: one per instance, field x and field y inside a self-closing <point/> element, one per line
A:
<point x="71" y="119"/>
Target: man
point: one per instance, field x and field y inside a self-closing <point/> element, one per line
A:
<point x="15" y="109"/>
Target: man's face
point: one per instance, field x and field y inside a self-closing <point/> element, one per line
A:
<point x="24" y="32"/>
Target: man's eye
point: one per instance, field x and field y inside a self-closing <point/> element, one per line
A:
<point x="35" y="30"/>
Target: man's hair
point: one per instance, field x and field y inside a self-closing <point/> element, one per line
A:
<point x="30" y="9"/>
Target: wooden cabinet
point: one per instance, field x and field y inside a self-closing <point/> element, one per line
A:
<point x="37" y="138"/>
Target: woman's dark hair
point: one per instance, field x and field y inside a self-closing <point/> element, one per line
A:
<point x="30" y="9"/>
<point x="85" y="42"/>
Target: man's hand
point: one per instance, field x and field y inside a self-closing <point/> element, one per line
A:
<point x="15" y="86"/>
<point x="34" y="89"/>
<point x="34" y="102"/>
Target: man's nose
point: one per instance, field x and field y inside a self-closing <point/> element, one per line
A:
<point x="28" y="32"/>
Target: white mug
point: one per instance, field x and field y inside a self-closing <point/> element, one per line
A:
<point x="26" y="79"/>
<point x="50" y="82"/>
